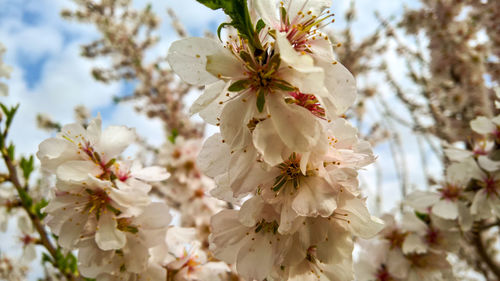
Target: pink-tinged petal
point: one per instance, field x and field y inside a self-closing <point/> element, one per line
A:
<point x="446" y="209"/>
<point x="255" y="258"/>
<point x="268" y="143"/>
<point x="114" y="140"/>
<point x="107" y="236"/>
<point x="78" y="171"/>
<point x="188" y="59"/>
<point x="212" y="159"/>
<point x="296" y="126"/>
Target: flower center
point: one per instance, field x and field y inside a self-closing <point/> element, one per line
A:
<point x="98" y="202"/>
<point x="307" y="101"/>
<point x="264" y="226"/>
<point x="490" y="185"/>
<point x="396" y="238"/>
<point x="304" y="28"/>
<point x="289" y="172"/>
<point x="433" y="236"/>
<point x="450" y="192"/>
<point x="383" y="274"/>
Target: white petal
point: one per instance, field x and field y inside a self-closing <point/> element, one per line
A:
<point x="446" y="209"/>
<point x="211" y="93"/>
<point x="488" y="164"/>
<point x="315" y="197"/>
<point x="234" y="119"/>
<point x="249" y="213"/>
<point x="108" y="237"/>
<point x="54" y="151"/>
<point x="341" y="88"/>
<point x="482" y="125"/>
<point x="71" y="230"/>
<point x="314" y="6"/>
<point x="114" y="140"/>
<point x="296" y="126"/>
<point x="212" y="159"/>
<point x="78" y="171"/>
<point x="465" y="218"/>
<point x="188" y="59"/>
<point x="422" y="200"/>
<point x="412" y="223"/>
<point x="360" y="222"/>
<point x="227" y="235"/>
<point x="267" y="11"/>
<point x="224" y="63"/>
<point x="255" y="259"/>
<point x="268" y="143"/>
<point x="153" y="173"/>
<point x="414" y="244"/>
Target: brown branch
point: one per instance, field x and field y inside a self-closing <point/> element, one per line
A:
<point x="483" y="254"/>
<point x="37" y="224"/>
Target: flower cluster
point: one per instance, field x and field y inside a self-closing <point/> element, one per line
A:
<point x="101" y="205"/>
<point x="284" y="157"/>
<point x="444" y="218"/>
<point x="5" y="71"/>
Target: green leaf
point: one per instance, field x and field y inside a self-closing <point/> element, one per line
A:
<point x="237" y="10"/>
<point x="423" y="217"/>
<point x="11" y="151"/>
<point x="25" y="198"/>
<point x="174" y="135"/>
<point x="27" y="165"/>
<point x="238" y="85"/>
<point x="285" y="87"/>
<point x="39" y="206"/>
<point x="260" y="25"/>
<point x="9" y="113"/>
<point x="261" y="100"/>
<point x="221" y="26"/>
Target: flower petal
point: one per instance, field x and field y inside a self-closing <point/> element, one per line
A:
<point x="188" y="59"/>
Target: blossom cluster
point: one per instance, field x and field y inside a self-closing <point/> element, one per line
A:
<point x="5" y="71"/>
<point x="101" y="204"/>
<point x="417" y="248"/>
<point x="284" y="158"/>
